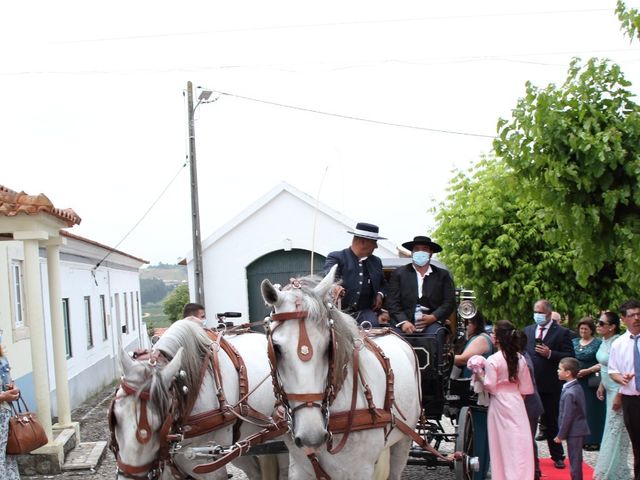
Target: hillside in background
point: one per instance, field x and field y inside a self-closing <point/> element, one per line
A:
<point x="171" y="274"/>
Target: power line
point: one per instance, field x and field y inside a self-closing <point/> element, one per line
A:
<point x="144" y="215"/>
<point x="330" y="24"/>
<point x="351" y="117"/>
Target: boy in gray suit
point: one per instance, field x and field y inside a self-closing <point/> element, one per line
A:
<point x="572" y="415"/>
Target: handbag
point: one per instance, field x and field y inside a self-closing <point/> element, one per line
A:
<point x="593" y="380"/>
<point x="25" y="431"/>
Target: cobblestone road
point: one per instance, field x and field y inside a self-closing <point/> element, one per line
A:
<point x="92" y="416"/>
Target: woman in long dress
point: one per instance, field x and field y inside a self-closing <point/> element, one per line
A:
<point x="615" y="447"/>
<point x="8" y="393"/>
<point x="507" y="379"/>
<point x="586" y="346"/>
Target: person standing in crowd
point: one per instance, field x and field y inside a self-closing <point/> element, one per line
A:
<point x="507" y="379"/>
<point x="478" y="343"/>
<point x="624" y="369"/>
<point x="615" y="447"/>
<point x="572" y="413"/>
<point x="363" y="283"/>
<point x="585" y="347"/>
<point x="532" y="404"/>
<point x="10" y="393"/>
<point x="547" y="343"/>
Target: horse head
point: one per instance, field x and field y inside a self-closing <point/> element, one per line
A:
<point x="142" y="412"/>
<point x="309" y="341"/>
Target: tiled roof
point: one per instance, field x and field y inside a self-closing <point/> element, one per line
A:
<point x="12" y="203"/>
<point x="64" y="233"/>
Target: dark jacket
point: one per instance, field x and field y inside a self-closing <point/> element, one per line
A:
<point x="349" y="272"/>
<point x="438" y="294"/>
<point x="558" y="339"/>
<point x="572" y="415"/>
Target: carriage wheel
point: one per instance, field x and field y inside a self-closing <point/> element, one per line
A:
<point x="464" y="443"/>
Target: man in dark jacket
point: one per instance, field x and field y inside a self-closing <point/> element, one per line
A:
<point x="362" y="281"/>
<point x="547" y="343"/>
<point x="421" y="296"/>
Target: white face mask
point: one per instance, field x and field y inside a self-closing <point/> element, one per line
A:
<point x="421" y="258"/>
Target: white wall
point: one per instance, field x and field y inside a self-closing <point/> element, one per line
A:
<point x="284" y="220"/>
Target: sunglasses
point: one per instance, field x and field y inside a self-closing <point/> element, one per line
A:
<point x="602" y="324"/>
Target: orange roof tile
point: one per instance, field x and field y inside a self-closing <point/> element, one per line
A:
<point x="12" y="203"/>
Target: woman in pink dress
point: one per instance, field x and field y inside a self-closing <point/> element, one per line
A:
<point x="507" y="379"/>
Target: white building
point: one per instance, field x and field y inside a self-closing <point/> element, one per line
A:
<point x="67" y="304"/>
<point x="273" y="238"/>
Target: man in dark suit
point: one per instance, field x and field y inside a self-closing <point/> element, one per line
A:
<point x="362" y="281"/>
<point x="547" y="344"/>
<point x="421" y="296"/>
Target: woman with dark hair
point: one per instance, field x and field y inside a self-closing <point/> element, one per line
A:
<point x="586" y="346"/>
<point x="616" y="445"/>
<point x="478" y="343"/>
<point x="9" y="393"/>
<point x="507" y="379"/>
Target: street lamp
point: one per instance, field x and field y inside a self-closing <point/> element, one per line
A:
<point x="195" y="209"/>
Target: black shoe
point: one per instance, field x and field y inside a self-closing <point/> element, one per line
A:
<point x="540" y="437"/>
<point x="559" y="463"/>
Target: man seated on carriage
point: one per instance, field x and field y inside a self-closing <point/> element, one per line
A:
<point x="421" y="296"/>
<point x="360" y="272"/>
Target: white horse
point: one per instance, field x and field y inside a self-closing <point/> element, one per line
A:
<point x="177" y="380"/>
<point x="313" y="359"/>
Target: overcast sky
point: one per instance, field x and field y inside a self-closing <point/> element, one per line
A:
<point x="92" y="111"/>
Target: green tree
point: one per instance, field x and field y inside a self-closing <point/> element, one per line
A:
<point x="630" y="19"/>
<point x="574" y="151"/>
<point x="173" y="305"/>
<point x="495" y="244"/>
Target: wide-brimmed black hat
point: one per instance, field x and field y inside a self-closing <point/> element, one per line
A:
<point x="422" y="240"/>
<point x="366" y="230"/>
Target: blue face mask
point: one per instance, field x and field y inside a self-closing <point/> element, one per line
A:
<point x="539" y="318"/>
<point x="421" y="258"/>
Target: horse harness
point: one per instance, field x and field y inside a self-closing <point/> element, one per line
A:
<point x="353" y="419"/>
<point x="175" y="427"/>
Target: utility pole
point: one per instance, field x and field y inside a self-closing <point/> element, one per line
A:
<point x="195" y="208"/>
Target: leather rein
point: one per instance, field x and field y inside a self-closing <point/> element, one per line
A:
<point x="175" y="427"/>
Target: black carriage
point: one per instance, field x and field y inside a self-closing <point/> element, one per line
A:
<point x="444" y="396"/>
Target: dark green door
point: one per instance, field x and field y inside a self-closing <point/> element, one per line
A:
<point x="278" y="267"/>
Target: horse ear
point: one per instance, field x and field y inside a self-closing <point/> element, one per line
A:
<point x="171" y="370"/>
<point x="270" y="293"/>
<point x="327" y="282"/>
<point x="126" y="362"/>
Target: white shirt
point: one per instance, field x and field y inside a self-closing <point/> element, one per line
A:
<point x="571" y="382"/>
<point x="546" y="330"/>
<point x="621" y="361"/>
<point x="421" y="277"/>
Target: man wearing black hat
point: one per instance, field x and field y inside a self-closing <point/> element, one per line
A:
<point x="361" y="274"/>
<point x="421" y="295"/>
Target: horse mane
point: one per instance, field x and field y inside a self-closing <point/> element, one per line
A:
<point x="195" y="346"/>
<point x="346" y="329"/>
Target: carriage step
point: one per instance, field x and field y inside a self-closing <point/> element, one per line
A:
<point x="85" y="456"/>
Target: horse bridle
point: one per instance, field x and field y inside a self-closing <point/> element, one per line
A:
<point x="152" y="469"/>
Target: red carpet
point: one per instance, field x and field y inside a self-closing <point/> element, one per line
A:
<point x="549" y="472"/>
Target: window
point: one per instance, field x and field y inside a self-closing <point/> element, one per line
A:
<point x="103" y="316"/>
<point x="138" y="305"/>
<point x="67" y="327"/>
<point x="18" y="294"/>
<point x="133" y="312"/>
<point x="87" y="321"/>
<point x="126" y="312"/>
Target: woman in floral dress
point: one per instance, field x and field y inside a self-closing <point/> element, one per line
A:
<point x="9" y="393"/>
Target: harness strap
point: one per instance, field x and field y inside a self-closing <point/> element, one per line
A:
<point x="411" y="433"/>
<point x="351" y="413"/>
<point x="317" y="469"/>
<point x="272" y="431"/>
